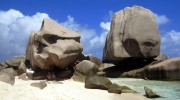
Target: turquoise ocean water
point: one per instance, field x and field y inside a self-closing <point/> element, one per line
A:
<point x="169" y="90"/>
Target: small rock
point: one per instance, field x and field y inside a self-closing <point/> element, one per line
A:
<point x="3" y="66"/>
<point x="96" y="82"/>
<point x="21" y="68"/>
<point x="114" y="88"/>
<point x="23" y="76"/>
<point x="126" y="89"/>
<point x="10" y="71"/>
<point x="41" y="84"/>
<point x="15" y="62"/>
<point x="150" y="93"/>
<point x="161" y="57"/>
<point x="7" y="78"/>
<point x="87" y="68"/>
<point x="78" y="77"/>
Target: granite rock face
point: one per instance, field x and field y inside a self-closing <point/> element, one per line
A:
<point x="133" y="34"/>
<point x="166" y="70"/>
<point x="53" y="46"/>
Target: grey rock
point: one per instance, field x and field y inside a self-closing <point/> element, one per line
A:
<point x="150" y="93"/>
<point x="115" y="88"/>
<point x="53" y="46"/>
<point x="40" y="85"/>
<point x="7" y="78"/>
<point x="87" y="68"/>
<point x="96" y="82"/>
<point x="133" y="35"/>
<point x="15" y="61"/>
<point x="3" y="65"/>
<point x="78" y="77"/>
<point x="23" y="76"/>
<point x="91" y="58"/>
<point x="95" y="60"/>
<point x="21" y="68"/>
<point x="9" y="71"/>
<point x="83" y="69"/>
<point x="166" y="70"/>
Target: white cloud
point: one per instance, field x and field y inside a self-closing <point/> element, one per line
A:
<point x="93" y="43"/>
<point x="162" y="19"/>
<point x="105" y="25"/>
<point x="15" y="28"/>
<point x="170" y="43"/>
<point x="98" y="41"/>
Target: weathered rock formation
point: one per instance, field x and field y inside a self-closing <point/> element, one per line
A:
<point x="133" y="34"/>
<point x="166" y="70"/>
<point x="53" y="47"/>
<point x="84" y="69"/>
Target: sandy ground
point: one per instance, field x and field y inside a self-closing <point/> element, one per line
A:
<point x="62" y="90"/>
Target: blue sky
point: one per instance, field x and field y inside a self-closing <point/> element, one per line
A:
<point x="90" y="17"/>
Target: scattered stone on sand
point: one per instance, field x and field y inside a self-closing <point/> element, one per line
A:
<point x="41" y="84"/>
<point x="150" y="93"/>
<point x="115" y="88"/>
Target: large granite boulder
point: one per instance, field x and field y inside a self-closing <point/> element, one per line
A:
<point x="166" y="70"/>
<point x="53" y="46"/>
<point x="133" y="34"/>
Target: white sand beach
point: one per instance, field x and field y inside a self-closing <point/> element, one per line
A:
<point x="62" y="90"/>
